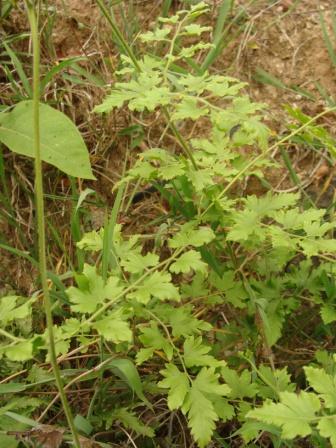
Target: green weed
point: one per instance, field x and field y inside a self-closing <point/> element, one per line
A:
<point x="183" y="320"/>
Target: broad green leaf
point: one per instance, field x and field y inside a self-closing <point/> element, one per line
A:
<point x="328" y="313"/>
<point x="201" y="416"/>
<point x="83" y="425"/>
<point x="9" y="310"/>
<point x="92" y="241"/>
<point x="208" y="382"/>
<point x="294" y="414"/>
<point x="188" y="52"/>
<point x="196" y="353"/>
<point x="273" y="381"/>
<point x="189" y="108"/>
<point x="126" y="370"/>
<point x="156" y="36"/>
<point x="223" y="408"/>
<point x="8" y="441"/>
<point x="188" y="235"/>
<point x="241" y="385"/>
<point x="143" y="355"/>
<point x="327" y="428"/>
<point x="267" y="204"/>
<point x="22" y="351"/>
<point x="157" y="285"/>
<point x="199" y="407"/>
<point x="195" y="29"/>
<point x="323" y="384"/>
<point x="247" y="224"/>
<point x="188" y="261"/>
<point x="114" y="327"/>
<point x="183" y="323"/>
<point x="61" y="143"/>
<point x="136" y="263"/>
<point x="93" y="292"/>
<point x="11" y="388"/>
<point x="151" y="337"/>
<point x="178" y="384"/>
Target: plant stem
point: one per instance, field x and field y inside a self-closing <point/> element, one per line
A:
<point x="118" y="35"/>
<point x="40" y="218"/>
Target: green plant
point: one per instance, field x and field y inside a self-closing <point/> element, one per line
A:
<point x="225" y="269"/>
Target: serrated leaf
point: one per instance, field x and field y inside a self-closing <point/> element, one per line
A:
<point x="151" y="337"/>
<point x="22" y="351"/>
<point x="193" y="83"/>
<point x="190" y="236"/>
<point x="327" y="428"/>
<point x="196" y="353"/>
<point x="247" y="223"/>
<point x="223" y="408"/>
<point x="328" y="314"/>
<point x="183" y="323"/>
<point x="130" y="421"/>
<point x="95" y="292"/>
<point x="189" y="52"/>
<point x="201" y="411"/>
<point x="92" y="241"/>
<point x="178" y="384"/>
<point x="294" y="414"/>
<point x="142" y="93"/>
<point x="188" y="261"/>
<point x="157" y="285"/>
<point x="241" y="385"/>
<point x="59" y="136"/>
<point x="323" y="384"/>
<point x="274" y="381"/>
<point x="220" y="86"/>
<point x="189" y="108"/>
<point x="10" y="309"/>
<point x="157" y="35"/>
<point x="312" y="247"/>
<point x="201" y="178"/>
<point x="136" y="263"/>
<point x="143" y="355"/>
<point x="115" y="99"/>
<point x="114" y="327"/>
<point x="195" y="29"/>
<point x="201" y="417"/>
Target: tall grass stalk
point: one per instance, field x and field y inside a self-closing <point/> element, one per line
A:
<point x="40" y="218"/>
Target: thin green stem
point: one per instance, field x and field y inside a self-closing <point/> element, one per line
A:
<point x="118" y="35"/>
<point x="10" y="336"/>
<point x="179" y="138"/>
<point x="40" y="218"/>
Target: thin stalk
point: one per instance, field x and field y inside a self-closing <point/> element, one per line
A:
<point x="118" y="35"/>
<point x="40" y="218"/>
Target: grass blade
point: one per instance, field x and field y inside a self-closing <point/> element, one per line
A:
<point x="19" y="69"/>
<point x="327" y="40"/>
<point x="219" y="34"/>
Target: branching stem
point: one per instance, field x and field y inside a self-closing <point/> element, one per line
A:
<point x="40" y="217"/>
